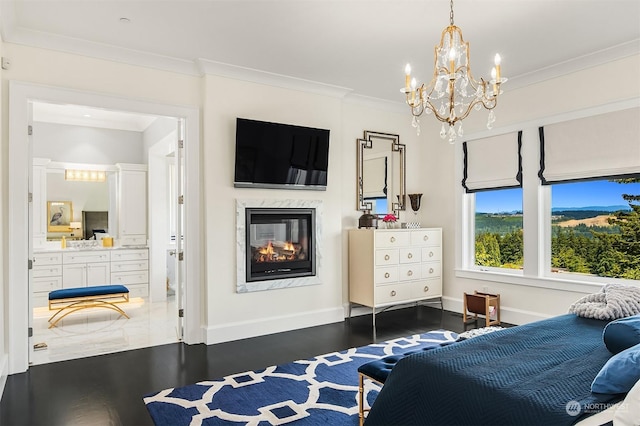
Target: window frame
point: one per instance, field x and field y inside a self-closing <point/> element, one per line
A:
<point x="536" y="209"/>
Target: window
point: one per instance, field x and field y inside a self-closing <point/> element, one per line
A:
<point x="498" y="228"/>
<point x="595" y="228"/>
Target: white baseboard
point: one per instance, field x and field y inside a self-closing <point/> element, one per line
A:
<point x="4" y="372"/>
<point x="264" y="326"/>
<point x="508" y="315"/>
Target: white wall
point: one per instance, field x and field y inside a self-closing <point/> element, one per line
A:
<point x="4" y="353"/>
<point x="431" y="165"/>
<point x="525" y="108"/>
<point x="78" y="144"/>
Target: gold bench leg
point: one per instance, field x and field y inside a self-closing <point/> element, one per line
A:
<point x="361" y="398"/>
<point x="84" y="304"/>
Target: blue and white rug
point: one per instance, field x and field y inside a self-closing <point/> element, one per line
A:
<point x="319" y="391"/>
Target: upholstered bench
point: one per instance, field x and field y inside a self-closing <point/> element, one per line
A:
<point x="378" y="371"/>
<point x="70" y="300"/>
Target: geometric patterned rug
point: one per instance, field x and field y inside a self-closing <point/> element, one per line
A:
<point x="319" y="391"/>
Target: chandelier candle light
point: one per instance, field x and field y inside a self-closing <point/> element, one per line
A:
<point x="452" y="92"/>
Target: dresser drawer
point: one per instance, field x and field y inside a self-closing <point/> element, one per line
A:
<point x="387" y="257"/>
<point x="40" y="299"/>
<point x="425" y="237"/>
<point x="409" y="272"/>
<point x="396" y="293"/>
<point x="40" y="259"/>
<point x="428" y="288"/>
<point x="86" y="257"/>
<point x="47" y="284"/>
<point x="133" y="240"/>
<point x="431" y="254"/>
<point x="138" y="290"/>
<point x="118" y="255"/>
<point x="135" y="277"/>
<point x="47" y="271"/>
<point x="130" y="265"/>
<point x="431" y="270"/>
<point x="391" y="238"/>
<point x="410" y="255"/>
<point x="386" y="275"/>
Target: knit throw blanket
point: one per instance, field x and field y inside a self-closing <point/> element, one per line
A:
<point x="612" y="302"/>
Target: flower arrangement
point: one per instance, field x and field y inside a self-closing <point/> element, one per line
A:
<point x="390" y="218"/>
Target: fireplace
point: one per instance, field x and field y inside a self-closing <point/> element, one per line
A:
<point x="280" y="243"/>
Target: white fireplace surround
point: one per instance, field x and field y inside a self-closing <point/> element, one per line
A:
<point x="242" y="286"/>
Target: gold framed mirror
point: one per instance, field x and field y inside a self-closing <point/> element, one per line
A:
<point x="381" y="180"/>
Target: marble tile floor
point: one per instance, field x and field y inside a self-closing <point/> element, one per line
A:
<point x="100" y="331"/>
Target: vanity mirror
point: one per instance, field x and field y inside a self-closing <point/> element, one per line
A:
<point x="381" y="179"/>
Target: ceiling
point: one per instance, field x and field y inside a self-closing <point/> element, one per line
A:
<point x="357" y="45"/>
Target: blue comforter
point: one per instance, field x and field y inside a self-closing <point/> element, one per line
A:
<point x="524" y="375"/>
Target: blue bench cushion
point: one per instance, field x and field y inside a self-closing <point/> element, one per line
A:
<point x="379" y="369"/>
<point x="98" y="290"/>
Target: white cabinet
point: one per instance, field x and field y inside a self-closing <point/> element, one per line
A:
<point x="131" y="268"/>
<point x="47" y="276"/>
<point x="132" y="208"/>
<point x="53" y="270"/>
<point x="86" y="268"/>
<point x="394" y="266"/>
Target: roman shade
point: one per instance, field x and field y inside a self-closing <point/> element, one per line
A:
<point x="605" y="145"/>
<point x="492" y="163"/>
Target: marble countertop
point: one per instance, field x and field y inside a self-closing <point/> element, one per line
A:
<point x="95" y="248"/>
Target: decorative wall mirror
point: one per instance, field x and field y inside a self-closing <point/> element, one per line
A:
<point x="381" y="180"/>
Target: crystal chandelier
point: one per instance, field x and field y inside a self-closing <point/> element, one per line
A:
<point x="452" y="92"/>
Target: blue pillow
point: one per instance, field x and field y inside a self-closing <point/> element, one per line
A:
<point x="620" y="373"/>
<point x="622" y="334"/>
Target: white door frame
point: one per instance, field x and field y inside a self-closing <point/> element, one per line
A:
<point x="20" y="93"/>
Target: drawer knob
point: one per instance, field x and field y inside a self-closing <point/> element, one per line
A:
<point x="387" y="257"/>
<point x="409" y="272"/>
<point x="431" y="270"/>
<point x="392" y="239"/>
<point x="426" y="288"/>
<point x="393" y="293"/>
<point x="386" y="275"/>
<point x="426" y="237"/>
<point x="410" y="255"/>
<point x="430" y="254"/>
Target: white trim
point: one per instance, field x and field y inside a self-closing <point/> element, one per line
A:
<point x="590" y="60"/>
<point x="536" y="214"/>
<point x="276" y="324"/>
<point x="4" y="372"/>
<point x="20" y="94"/>
<point x="507" y="315"/>
<point x="268" y="78"/>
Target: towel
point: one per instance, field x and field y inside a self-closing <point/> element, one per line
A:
<point x="612" y="302"/>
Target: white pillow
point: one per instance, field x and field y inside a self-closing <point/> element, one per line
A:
<point x="628" y="414"/>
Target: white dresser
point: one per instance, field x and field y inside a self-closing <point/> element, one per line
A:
<point x="394" y="266"/>
<point x="68" y="268"/>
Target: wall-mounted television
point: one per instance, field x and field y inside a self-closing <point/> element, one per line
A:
<point x="275" y="155"/>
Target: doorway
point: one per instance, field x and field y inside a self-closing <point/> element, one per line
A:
<point x="20" y="157"/>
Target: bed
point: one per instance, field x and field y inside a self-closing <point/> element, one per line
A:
<point x="528" y="375"/>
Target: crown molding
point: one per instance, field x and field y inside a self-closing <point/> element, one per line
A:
<point x="222" y="69"/>
<point x="589" y="60"/>
<point x="397" y="107"/>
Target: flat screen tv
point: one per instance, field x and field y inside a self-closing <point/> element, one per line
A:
<point x="274" y="155"/>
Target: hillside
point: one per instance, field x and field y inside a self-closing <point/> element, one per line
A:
<point x="600" y="220"/>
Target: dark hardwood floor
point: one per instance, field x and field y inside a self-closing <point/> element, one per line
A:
<point x="108" y="389"/>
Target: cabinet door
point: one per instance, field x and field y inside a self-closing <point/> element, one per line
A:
<point x="133" y="202"/>
<point x="74" y="275"/>
<point x="98" y="273"/>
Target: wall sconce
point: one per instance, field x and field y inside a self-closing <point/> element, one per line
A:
<point x="85" y="175"/>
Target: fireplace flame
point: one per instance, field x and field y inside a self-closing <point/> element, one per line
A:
<point x="282" y="251"/>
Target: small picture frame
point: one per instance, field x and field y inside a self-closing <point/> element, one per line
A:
<point x="59" y="215"/>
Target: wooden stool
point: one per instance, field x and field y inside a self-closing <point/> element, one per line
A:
<point x="480" y="304"/>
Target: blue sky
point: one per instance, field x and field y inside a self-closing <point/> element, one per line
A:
<point x="578" y="194"/>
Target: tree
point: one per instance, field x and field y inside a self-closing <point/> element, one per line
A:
<point x="487" y="249"/>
